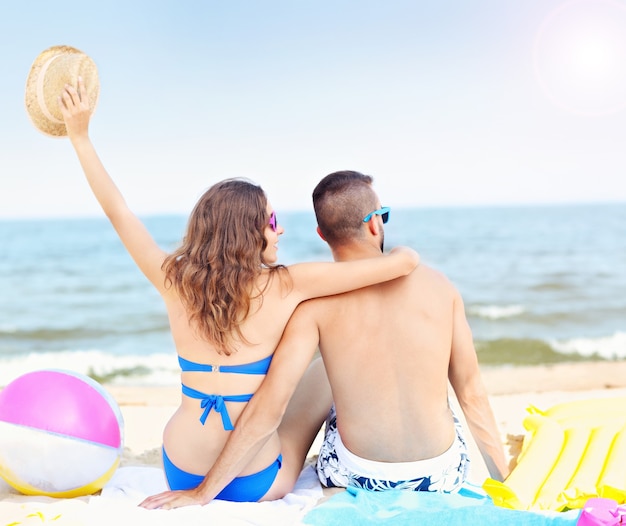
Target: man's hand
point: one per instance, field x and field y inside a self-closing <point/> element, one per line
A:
<point x="168" y="500"/>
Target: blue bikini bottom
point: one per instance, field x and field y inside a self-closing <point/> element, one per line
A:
<point x="249" y="488"/>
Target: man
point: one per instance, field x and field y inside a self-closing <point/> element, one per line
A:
<point x="389" y="351"/>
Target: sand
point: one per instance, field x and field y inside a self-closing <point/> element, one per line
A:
<point x="511" y="391"/>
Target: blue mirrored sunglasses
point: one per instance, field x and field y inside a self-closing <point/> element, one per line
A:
<point x="382" y="212"/>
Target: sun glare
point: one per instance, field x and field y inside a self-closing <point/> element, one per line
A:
<point x="594" y="57"/>
<point x="580" y="56"/>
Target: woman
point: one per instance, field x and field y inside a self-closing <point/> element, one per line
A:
<point x="228" y="303"/>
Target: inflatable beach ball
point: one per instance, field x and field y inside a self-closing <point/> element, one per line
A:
<point x="61" y="434"/>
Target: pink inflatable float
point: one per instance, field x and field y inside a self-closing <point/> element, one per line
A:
<point x="61" y="434"/>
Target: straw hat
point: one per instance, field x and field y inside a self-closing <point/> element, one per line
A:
<point x="50" y="72"/>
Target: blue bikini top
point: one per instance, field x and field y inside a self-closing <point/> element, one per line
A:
<point x="212" y="401"/>
<point x="259" y="367"/>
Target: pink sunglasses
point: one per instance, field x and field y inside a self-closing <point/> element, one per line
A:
<point x="273" y="221"/>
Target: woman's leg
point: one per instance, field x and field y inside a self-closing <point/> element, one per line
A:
<point x="306" y="412"/>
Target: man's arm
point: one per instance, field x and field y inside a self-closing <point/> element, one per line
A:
<point x="259" y="420"/>
<point x="464" y="375"/>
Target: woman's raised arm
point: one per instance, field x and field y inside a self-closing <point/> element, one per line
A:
<point x="141" y="246"/>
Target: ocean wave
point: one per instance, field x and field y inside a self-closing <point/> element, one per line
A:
<point x="551" y="286"/>
<point x="10" y="333"/>
<point x="496" y="312"/>
<point x="608" y="347"/>
<point x="53" y="334"/>
<point x="154" y="369"/>
<point x="522" y="351"/>
<point x="535" y="351"/>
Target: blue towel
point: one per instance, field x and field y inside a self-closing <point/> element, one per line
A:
<point x="397" y="507"/>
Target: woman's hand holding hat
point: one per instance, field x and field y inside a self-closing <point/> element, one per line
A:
<point x="76" y="109"/>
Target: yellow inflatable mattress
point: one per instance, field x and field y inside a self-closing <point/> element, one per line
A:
<point x="571" y="452"/>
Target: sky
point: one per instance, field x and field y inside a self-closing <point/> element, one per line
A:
<point x="446" y="103"/>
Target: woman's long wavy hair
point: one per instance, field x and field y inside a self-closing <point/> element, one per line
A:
<point x="216" y="268"/>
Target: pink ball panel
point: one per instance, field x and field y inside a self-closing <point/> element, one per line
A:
<point x="61" y="402"/>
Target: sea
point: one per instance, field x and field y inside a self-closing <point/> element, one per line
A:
<point x="541" y="285"/>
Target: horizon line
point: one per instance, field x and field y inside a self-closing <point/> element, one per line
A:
<point x="172" y="213"/>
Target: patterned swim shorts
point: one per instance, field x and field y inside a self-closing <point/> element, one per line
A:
<point x="338" y="467"/>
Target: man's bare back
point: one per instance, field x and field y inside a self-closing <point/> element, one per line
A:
<point x="386" y="350"/>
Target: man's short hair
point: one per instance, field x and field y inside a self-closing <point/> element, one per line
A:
<point x="341" y="200"/>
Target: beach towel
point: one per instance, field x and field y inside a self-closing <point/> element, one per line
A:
<point x="398" y="508"/>
<point x="117" y="504"/>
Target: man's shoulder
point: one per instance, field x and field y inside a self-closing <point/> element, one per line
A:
<point x="433" y="275"/>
